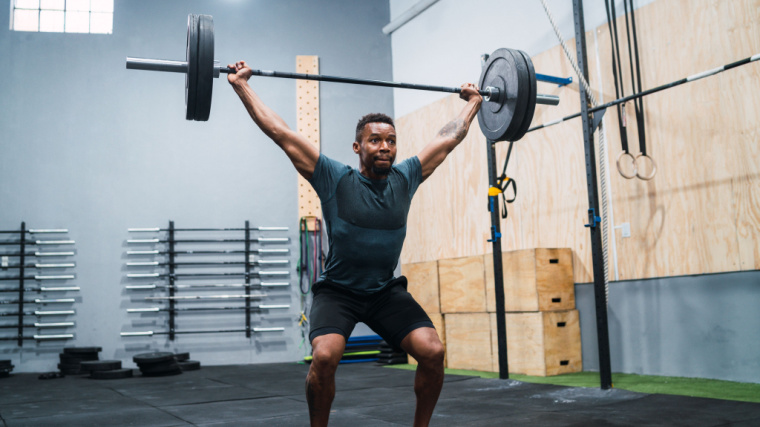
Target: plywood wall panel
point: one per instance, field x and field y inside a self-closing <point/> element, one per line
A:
<point x="681" y="220"/>
<point x="700" y="214"/>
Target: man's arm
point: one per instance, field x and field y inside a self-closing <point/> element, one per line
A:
<point x="452" y="133"/>
<point x="302" y="153"/>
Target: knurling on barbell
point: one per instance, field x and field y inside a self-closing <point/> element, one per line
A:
<point x="507" y="81"/>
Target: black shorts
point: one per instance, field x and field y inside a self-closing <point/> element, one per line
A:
<point x="391" y="312"/>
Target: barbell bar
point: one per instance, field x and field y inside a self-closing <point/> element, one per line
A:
<point x="41" y="337"/>
<point x="491" y="93"/>
<point x="38" y="254"/>
<point x="41" y="265"/>
<point x="41" y="325"/>
<point x="158" y="229"/>
<point x="38" y="313"/>
<point x="197" y="263"/>
<point x="260" y="240"/>
<point x="254" y="307"/>
<point x="265" y="273"/>
<point x="40" y="277"/>
<point x="39" y="242"/>
<point x="44" y="289"/>
<point x="507" y="78"/>
<point x="37" y="231"/>
<point x="204" y="252"/>
<point x="656" y="89"/>
<point x="216" y="331"/>
<point x="210" y="285"/>
<point x="205" y="297"/>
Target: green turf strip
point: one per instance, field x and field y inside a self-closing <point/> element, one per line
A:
<point x="694" y="387"/>
<point x="351" y="353"/>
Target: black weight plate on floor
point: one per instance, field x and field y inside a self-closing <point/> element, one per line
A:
<point x="154" y="368"/>
<point x="191" y="56"/>
<point x="111" y="375"/>
<point x="189" y="365"/>
<point x="100" y="365"/>
<point x="82" y="350"/>
<point x="205" y="82"/>
<point x="4" y="374"/>
<point x="181" y="357"/>
<point x="154" y="357"/>
<point x="500" y="71"/>
<point x="63" y="365"/>
<point x="71" y="358"/>
<point x="170" y="370"/>
<point x="531" y="108"/>
<point x="70" y="369"/>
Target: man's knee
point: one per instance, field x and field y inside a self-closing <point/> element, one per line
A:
<point x="432" y="353"/>
<point x="425" y="346"/>
<point x="327" y="350"/>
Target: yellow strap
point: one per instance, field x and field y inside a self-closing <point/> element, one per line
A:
<point x="494" y="191"/>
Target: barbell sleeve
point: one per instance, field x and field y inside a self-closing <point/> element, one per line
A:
<point x="137" y="334"/>
<point x="54" y="325"/>
<point x="156" y="65"/>
<point x="53" y="337"/>
<point x="54" y="313"/>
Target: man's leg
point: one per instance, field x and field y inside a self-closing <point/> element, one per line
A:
<point x="425" y="346"/>
<point x="327" y="350"/>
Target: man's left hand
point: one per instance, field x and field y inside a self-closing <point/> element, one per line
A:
<point x="470" y="93"/>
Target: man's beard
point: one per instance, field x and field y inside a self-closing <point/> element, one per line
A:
<point x="380" y="171"/>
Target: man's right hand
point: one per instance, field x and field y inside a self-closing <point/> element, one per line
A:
<point x="242" y="72"/>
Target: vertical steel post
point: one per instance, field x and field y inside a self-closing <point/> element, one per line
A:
<point x="171" y="282"/>
<point x="248" y="279"/>
<point x="493" y="208"/>
<point x="600" y="295"/>
<point x="21" y="286"/>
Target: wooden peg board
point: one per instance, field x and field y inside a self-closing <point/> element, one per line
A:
<point x="307" y="93"/>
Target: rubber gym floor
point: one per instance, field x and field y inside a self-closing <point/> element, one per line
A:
<point x="367" y="395"/>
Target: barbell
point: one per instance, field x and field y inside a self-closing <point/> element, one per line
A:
<point x="507" y="78"/>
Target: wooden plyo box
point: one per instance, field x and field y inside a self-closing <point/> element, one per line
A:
<point x="468" y="341"/>
<point x="534" y="280"/>
<point x="462" y="285"/>
<point x="540" y="343"/>
<point x="423" y="284"/>
<point x="437" y="319"/>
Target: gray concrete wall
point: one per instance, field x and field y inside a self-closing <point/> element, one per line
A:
<point x="90" y="146"/>
<point x="694" y="326"/>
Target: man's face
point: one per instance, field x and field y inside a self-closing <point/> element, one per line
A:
<point x="377" y="149"/>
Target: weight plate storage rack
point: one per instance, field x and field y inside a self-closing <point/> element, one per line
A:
<point x="238" y="264"/>
<point x="33" y="269"/>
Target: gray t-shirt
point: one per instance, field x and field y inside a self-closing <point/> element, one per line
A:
<point x="366" y="221"/>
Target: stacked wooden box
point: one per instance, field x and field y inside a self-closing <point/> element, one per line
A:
<point x="543" y="331"/>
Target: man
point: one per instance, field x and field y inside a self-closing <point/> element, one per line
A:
<point x="365" y="212"/>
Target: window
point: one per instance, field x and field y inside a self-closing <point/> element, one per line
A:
<point x="63" y="16"/>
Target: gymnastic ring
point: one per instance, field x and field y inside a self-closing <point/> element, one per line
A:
<point x="633" y="161"/>
<point x="654" y="167"/>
